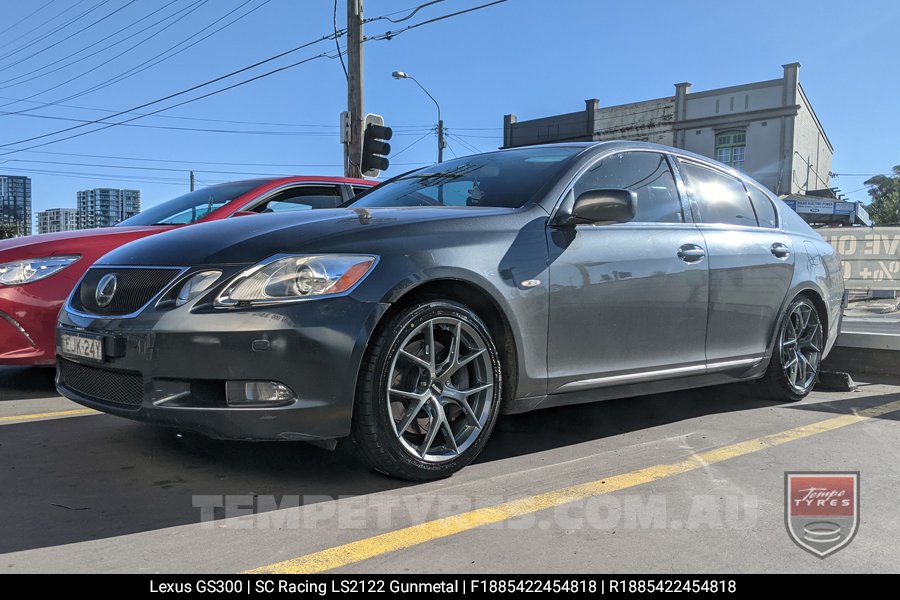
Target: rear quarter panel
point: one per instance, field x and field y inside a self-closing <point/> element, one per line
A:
<point x="817" y="269"/>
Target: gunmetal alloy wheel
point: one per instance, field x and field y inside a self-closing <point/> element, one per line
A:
<point x="440" y="389"/>
<point x="797" y="355"/>
<point x="801" y="347"/>
<point x="428" y="393"/>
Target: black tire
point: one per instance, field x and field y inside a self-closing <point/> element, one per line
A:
<point x="777" y="383"/>
<point x="375" y="423"/>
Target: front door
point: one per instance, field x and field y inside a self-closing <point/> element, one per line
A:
<point x="628" y="302"/>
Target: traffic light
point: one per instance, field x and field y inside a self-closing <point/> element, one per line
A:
<point x="375" y="146"/>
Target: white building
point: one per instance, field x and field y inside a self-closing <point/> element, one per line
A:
<point x="57" y="219"/>
<point x="767" y="129"/>
<point x="104" y="207"/>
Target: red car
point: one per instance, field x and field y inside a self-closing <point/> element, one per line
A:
<point x="38" y="272"/>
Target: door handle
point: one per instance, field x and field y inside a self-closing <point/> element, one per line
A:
<point x="780" y="250"/>
<point x="691" y="253"/>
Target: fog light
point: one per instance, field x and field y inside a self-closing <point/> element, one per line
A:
<point x="257" y="393"/>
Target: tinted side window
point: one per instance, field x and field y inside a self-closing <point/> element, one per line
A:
<point x="358" y="189"/>
<point x="301" y="198"/>
<point x="719" y="198"/>
<point x="765" y="211"/>
<point x="645" y="173"/>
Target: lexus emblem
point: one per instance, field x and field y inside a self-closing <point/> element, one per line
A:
<point x="106" y="289"/>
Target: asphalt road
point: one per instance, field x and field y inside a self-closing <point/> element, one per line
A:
<point x="682" y="482"/>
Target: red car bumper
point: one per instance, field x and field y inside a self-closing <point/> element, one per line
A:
<point x="28" y="320"/>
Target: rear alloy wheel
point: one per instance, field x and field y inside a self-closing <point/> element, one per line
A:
<point x="429" y="393"/>
<point x="797" y="355"/>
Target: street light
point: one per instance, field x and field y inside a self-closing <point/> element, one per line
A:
<point x="440" y="130"/>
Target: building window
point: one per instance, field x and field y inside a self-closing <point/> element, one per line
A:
<point x="731" y="148"/>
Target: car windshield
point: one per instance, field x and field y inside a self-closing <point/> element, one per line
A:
<point x="507" y="179"/>
<point x="192" y="206"/>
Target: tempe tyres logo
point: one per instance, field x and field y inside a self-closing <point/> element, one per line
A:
<point x="821" y="510"/>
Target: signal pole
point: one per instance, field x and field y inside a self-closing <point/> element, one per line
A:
<point x="353" y="147"/>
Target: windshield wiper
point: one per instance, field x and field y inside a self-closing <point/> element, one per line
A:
<point x="444" y="175"/>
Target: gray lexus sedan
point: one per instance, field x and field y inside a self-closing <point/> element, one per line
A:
<point x="496" y="283"/>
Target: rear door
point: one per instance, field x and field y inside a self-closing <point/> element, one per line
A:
<point x="751" y="263"/>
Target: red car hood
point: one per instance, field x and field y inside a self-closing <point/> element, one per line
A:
<point x="85" y="241"/>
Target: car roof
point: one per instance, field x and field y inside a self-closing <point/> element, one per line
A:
<point x="318" y="178"/>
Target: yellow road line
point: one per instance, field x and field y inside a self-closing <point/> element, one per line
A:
<point x="78" y="412"/>
<point x="354" y="552"/>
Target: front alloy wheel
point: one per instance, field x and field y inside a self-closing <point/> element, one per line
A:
<point x="429" y="392"/>
<point x="798" y="353"/>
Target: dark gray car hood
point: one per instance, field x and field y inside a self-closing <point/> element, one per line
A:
<point x="244" y="240"/>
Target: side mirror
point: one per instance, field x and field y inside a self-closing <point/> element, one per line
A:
<point x="604" y="206"/>
<point x="244" y="213"/>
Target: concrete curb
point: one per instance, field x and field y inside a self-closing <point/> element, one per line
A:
<point x="866" y="354"/>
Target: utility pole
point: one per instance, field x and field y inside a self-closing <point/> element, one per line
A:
<point x="353" y="147"/>
<point x="192" y="181"/>
<point x="440" y="140"/>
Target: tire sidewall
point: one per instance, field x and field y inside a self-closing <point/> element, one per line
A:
<point x="783" y="384"/>
<point x="375" y="390"/>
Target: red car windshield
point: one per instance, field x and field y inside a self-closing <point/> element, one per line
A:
<point x="192" y="206"/>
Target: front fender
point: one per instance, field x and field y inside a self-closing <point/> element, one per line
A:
<point x="524" y="311"/>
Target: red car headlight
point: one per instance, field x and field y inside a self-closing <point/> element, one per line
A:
<point x="20" y="272"/>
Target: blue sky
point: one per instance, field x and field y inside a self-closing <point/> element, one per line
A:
<point x="528" y="57"/>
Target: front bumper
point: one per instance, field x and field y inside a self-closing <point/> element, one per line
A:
<point x="169" y="367"/>
<point x="26" y="329"/>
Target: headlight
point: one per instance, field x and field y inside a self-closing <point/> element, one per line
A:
<point x="291" y="278"/>
<point x="196" y="285"/>
<point x="33" y="269"/>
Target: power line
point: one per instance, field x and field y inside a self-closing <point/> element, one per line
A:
<point x="158" y="58"/>
<point x="70" y="36"/>
<point x="28" y="16"/>
<point x="392" y="34"/>
<point x="414" y="10"/>
<point x="107" y="125"/>
<point x="187" y="162"/>
<point x="46" y="35"/>
<point x="25" y="76"/>
<point x="164" y="55"/>
<point x="396" y="154"/>
<point x="483" y="137"/>
<point x="198" y="129"/>
<point x="187" y="90"/>
<point x="139" y="168"/>
<point x="155" y="178"/>
<point x="464" y="143"/>
<point x="452" y="151"/>
<point x="337" y="43"/>
<point x="176" y="128"/>
<point x="86" y="175"/>
<point x="233" y="121"/>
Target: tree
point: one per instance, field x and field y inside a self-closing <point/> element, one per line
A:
<point x="885" y="193"/>
<point x="8" y="231"/>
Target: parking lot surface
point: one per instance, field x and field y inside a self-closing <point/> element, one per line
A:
<point x="681" y="482"/>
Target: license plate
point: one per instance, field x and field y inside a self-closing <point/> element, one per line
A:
<point x="82" y="346"/>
